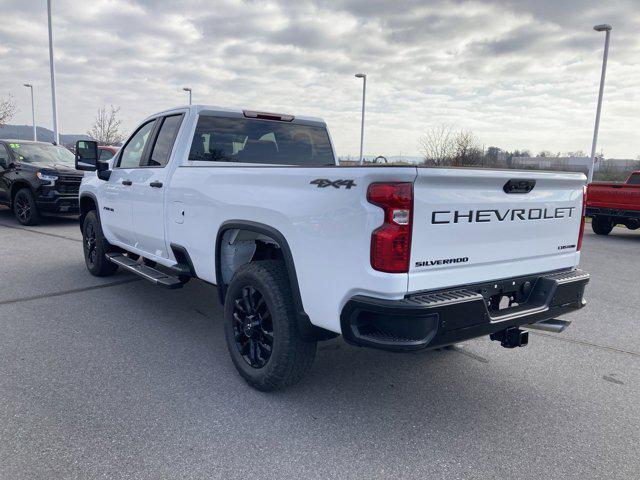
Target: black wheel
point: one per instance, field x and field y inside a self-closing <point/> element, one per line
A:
<point x="632" y="225"/>
<point x="261" y="330"/>
<point x="602" y="225"/>
<point x="95" y="246"/>
<point x="25" y="208"/>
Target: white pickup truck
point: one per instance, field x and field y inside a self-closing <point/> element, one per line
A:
<point x="302" y="250"/>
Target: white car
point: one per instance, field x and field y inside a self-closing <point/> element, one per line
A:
<point x="302" y="250"/>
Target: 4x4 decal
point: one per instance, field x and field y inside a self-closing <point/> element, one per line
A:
<point x="324" y="183"/>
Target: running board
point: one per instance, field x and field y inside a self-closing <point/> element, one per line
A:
<point x="148" y="273"/>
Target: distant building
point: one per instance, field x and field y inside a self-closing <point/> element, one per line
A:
<point x="573" y="164"/>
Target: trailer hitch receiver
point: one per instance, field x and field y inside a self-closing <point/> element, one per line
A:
<point x="511" y="337"/>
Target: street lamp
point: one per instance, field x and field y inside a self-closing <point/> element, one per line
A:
<point x="600" y="28"/>
<point x="33" y="112"/>
<point x="363" y="76"/>
<point x="56" y="136"/>
<point x="188" y="89"/>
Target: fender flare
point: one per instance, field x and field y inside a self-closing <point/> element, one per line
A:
<point x="95" y="201"/>
<point x="308" y="331"/>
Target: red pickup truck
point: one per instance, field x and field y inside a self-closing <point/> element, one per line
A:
<point x="610" y="204"/>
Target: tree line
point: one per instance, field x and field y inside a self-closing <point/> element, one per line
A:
<point x="443" y="145"/>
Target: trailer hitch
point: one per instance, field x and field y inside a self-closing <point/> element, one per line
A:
<point x="511" y="337"/>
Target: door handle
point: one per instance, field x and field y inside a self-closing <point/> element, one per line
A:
<point x="156" y="184"/>
<point x="127" y="182"/>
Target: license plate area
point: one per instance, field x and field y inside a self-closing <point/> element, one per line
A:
<point x="504" y="297"/>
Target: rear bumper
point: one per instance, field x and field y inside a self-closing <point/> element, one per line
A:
<point x="433" y="319"/>
<point x="612" y="212"/>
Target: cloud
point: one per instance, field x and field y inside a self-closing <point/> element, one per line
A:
<point x="521" y="74"/>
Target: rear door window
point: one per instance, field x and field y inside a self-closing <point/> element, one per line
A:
<point x="164" y="142"/>
<point x="243" y="140"/>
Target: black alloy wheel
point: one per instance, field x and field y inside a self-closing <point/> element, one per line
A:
<point x="24" y="207"/>
<point x="252" y="327"/>
<point x="90" y="244"/>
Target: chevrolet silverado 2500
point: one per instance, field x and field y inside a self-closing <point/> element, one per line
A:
<point x="301" y="250"/>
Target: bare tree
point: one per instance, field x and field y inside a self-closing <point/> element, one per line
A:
<point x="437" y="145"/>
<point x="106" y="128"/>
<point x="577" y="153"/>
<point x="7" y="110"/>
<point x="468" y="150"/>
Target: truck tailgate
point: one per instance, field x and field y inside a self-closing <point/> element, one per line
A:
<point x="616" y="196"/>
<point x="468" y="229"/>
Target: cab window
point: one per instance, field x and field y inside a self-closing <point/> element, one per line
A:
<point x="634" y="179"/>
<point x="164" y="142"/>
<point x="133" y="151"/>
<point x="105" y="154"/>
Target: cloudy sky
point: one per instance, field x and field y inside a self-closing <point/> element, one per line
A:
<point x="518" y="73"/>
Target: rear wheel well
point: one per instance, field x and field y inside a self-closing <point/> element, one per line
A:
<point x="241" y="243"/>
<point x="239" y="247"/>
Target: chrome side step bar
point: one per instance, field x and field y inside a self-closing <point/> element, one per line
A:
<point x="148" y="273"/>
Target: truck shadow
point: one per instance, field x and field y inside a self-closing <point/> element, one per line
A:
<point x="7" y="217"/>
<point x="388" y="394"/>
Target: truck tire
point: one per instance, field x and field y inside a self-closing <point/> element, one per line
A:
<point x="261" y="328"/>
<point x="25" y="208"/>
<point x="602" y="225"/>
<point x="95" y="247"/>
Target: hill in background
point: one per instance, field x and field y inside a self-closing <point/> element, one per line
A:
<point x="25" y="132"/>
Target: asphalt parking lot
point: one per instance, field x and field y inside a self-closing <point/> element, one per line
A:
<point x="116" y="378"/>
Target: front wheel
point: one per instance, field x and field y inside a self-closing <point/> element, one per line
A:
<point x="95" y="247"/>
<point x="25" y="208"/>
<point x="261" y="329"/>
<point x="602" y="225"/>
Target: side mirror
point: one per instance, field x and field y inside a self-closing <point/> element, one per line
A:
<point x="86" y="155"/>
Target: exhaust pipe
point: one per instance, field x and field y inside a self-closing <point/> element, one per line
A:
<point x="554" y="325"/>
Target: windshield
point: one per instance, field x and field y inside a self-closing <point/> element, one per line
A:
<point x="219" y="139"/>
<point x="42" y="153"/>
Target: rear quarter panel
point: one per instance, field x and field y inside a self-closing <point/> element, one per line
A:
<point x="328" y="229"/>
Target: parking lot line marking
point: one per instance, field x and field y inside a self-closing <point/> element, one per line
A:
<point x="41" y="233"/>
<point x="67" y="292"/>
<point x="587" y="344"/>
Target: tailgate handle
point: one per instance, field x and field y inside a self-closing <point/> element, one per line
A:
<point x="519" y="185"/>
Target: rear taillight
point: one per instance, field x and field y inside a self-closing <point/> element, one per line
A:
<point x="584" y="210"/>
<point x="391" y="242"/>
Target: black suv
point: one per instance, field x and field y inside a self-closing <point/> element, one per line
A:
<point x="38" y="178"/>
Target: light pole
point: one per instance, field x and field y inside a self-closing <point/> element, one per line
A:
<point x="363" y="76"/>
<point x="188" y="89"/>
<point x="56" y="136"/>
<point x="33" y="112"/>
<point x="600" y="28"/>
